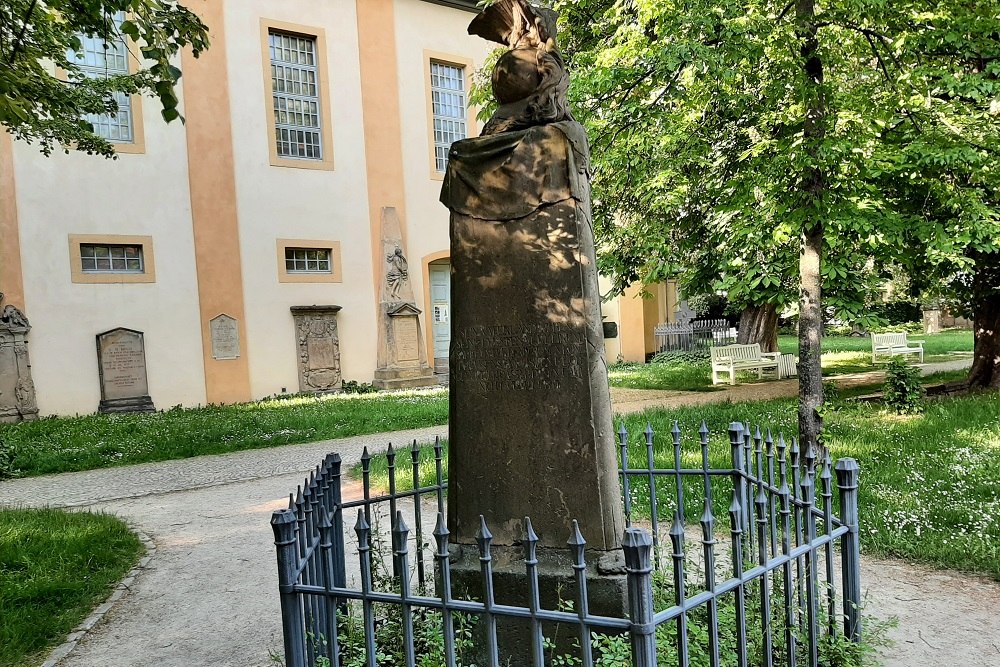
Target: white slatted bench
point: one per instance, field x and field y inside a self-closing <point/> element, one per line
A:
<point x="892" y="344"/>
<point x="733" y="358"/>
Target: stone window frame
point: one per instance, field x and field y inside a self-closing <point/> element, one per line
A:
<point x="79" y="276"/>
<point x="469" y="66"/>
<point x="138" y="143"/>
<point x="334" y="275"/>
<point x="318" y="35"/>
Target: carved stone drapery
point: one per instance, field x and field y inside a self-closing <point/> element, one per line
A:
<point x="318" y="348"/>
<point x="17" y="389"/>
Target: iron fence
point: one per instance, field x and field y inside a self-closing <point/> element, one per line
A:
<point x="694" y="335"/>
<point x="768" y="597"/>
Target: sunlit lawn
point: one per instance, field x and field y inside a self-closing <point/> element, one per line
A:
<point x="841" y="355"/>
<point x="55" y="567"/>
<point x="928" y="491"/>
<point x="64" y="444"/>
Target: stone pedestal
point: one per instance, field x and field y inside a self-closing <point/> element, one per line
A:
<point x="318" y="347"/>
<point x="530" y="425"/>
<point x="121" y="360"/>
<point x="17" y="390"/>
<point x="402" y="356"/>
<point x="932" y="321"/>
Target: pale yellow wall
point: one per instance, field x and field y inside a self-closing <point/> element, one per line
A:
<point x="137" y="194"/>
<point x="423" y="28"/>
<point x="612" y="313"/>
<point x="291" y="203"/>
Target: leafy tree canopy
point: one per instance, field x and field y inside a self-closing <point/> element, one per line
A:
<point x="44" y="95"/>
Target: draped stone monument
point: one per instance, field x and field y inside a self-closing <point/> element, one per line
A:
<point x="17" y="390"/>
<point x="530" y="426"/>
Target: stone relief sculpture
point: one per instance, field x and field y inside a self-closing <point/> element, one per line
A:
<point x="398" y="272"/>
<point x="17" y="390"/>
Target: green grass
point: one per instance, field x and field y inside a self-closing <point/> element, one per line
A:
<point x="102" y="441"/>
<point x="928" y="490"/>
<point x="55" y="567"/>
<point x="678" y="375"/>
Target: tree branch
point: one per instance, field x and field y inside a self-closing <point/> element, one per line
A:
<point x="20" y="35"/>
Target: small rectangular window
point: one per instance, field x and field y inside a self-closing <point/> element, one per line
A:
<point x="98" y="58"/>
<point x="296" y="96"/>
<point x="308" y="260"/>
<point x="448" y="105"/>
<point x="112" y="258"/>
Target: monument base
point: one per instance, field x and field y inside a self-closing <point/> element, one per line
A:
<point x="606" y="595"/>
<point x="132" y="404"/>
<point x="404" y="378"/>
<point x="15" y="416"/>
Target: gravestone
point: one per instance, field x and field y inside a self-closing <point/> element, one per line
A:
<point x="17" y="390"/>
<point x="225" y="333"/>
<point x="121" y="359"/>
<point x="402" y="356"/>
<point x="318" y="348"/>
<point x="530" y="423"/>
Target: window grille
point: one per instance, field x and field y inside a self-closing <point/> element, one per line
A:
<point x="97" y="59"/>
<point x="448" y="104"/>
<point x="308" y="260"/>
<point x="111" y="258"/>
<point x="295" y="91"/>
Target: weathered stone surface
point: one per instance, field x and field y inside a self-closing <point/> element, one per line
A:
<point x="17" y="390"/>
<point x="225" y="332"/>
<point x="121" y="358"/>
<point x="530" y="426"/>
<point x="318" y="346"/>
<point x="402" y="356"/>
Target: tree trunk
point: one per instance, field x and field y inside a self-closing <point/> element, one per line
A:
<point x="985" y="371"/>
<point x="812" y="189"/>
<point x="759" y="324"/>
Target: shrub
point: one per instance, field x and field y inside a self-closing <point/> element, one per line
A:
<point x="902" y="389"/>
<point x="355" y="387"/>
<point x="7" y="470"/>
<point x="898" y="312"/>
<point x="673" y="356"/>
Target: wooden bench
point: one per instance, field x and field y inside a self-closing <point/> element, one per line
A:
<point x="733" y="358"/>
<point x="893" y="344"/>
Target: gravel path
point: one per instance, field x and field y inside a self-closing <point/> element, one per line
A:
<point x="208" y="596"/>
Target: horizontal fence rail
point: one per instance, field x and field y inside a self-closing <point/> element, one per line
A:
<point x="758" y="588"/>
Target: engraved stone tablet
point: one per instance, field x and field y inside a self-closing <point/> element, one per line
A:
<point x="405" y="333"/>
<point x="121" y="356"/>
<point x="318" y="344"/>
<point x="17" y="391"/>
<point x="225" y="337"/>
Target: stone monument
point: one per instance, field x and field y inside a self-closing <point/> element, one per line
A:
<point x="318" y="346"/>
<point x="121" y="360"/>
<point x="530" y="425"/>
<point x="402" y="357"/>
<point x="17" y="390"/>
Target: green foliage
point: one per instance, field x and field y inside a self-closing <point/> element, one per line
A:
<point x="899" y="312"/>
<point x="676" y="375"/>
<point x="355" y="387"/>
<point x="44" y="94"/>
<point x="7" y="469"/>
<point x="672" y="356"/>
<point x="55" y="566"/>
<point x="101" y="441"/>
<point x="902" y="389"/>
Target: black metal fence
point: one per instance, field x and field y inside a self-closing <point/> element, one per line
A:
<point x="765" y="594"/>
<point x="694" y="335"/>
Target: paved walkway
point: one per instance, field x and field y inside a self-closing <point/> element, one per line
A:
<point x="208" y="597"/>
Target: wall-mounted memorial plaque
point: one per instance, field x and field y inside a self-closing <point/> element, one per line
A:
<point x="225" y="332"/>
<point x="121" y="357"/>
<point x="17" y="391"/>
<point x="318" y="346"/>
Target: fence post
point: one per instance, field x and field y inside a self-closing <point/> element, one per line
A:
<point x="847" y="481"/>
<point x="638" y="547"/>
<point x="293" y="625"/>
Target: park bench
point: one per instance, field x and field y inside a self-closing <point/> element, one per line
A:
<point x="733" y="358"/>
<point x="892" y="344"/>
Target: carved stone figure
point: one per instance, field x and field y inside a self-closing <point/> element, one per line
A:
<point x="398" y="272"/>
<point x="17" y="390"/>
<point x="530" y="80"/>
<point x="13" y="317"/>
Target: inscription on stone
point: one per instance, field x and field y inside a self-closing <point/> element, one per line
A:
<point x="405" y="333"/>
<point x="517" y="358"/>
<point x="225" y="337"/>
<point x="123" y="364"/>
<point x="323" y="353"/>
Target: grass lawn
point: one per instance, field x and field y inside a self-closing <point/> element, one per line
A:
<point x="841" y="354"/>
<point x="55" y="567"/>
<point x="928" y="490"/>
<point x="66" y="444"/>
